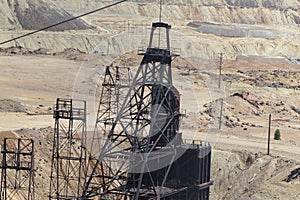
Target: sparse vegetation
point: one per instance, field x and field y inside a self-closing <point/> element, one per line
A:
<point x="277" y="135"/>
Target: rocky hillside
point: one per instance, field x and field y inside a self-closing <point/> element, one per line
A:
<point x="35" y="14"/>
<point x="248" y="176"/>
<point x="221" y="11"/>
<point x="201" y="28"/>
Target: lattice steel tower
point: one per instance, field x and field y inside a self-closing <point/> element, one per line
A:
<point x="69" y="149"/>
<point x="115" y="85"/>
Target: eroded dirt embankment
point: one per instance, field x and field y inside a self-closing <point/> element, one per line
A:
<point x="37" y="14"/>
<point x="126" y="27"/>
<point x="266" y="12"/>
<point x="246" y="175"/>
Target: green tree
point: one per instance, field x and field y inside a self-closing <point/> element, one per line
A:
<point x="277" y="135"/>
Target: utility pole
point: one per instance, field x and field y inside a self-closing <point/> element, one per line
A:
<point x="220" y="67"/>
<point x="221" y="114"/>
<point x="269" y="133"/>
<point x="107" y="52"/>
<point x="160" y="10"/>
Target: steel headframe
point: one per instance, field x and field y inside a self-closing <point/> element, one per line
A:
<point x="69" y="149"/>
<point x="148" y="120"/>
<point x="17" y="178"/>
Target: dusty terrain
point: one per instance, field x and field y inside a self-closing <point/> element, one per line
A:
<point x="260" y="76"/>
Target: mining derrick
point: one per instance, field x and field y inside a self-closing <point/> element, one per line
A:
<point x="144" y="156"/>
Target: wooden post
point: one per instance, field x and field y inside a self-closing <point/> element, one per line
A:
<point x="160" y="10"/>
<point x="107" y="52"/>
<point x="221" y="113"/>
<point x="269" y="133"/>
<point x="220" y="69"/>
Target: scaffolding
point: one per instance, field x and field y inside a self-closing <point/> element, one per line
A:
<point x="17" y="162"/>
<point x="69" y="149"/>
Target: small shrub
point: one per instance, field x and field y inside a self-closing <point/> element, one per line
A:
<point x="277" y="135"/>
